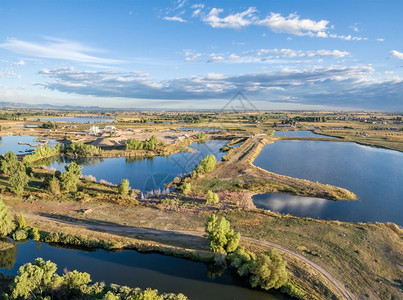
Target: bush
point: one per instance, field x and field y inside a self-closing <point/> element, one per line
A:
<point x="54" y="186"/>
<point x="124" y="187"/>
<point x="69" y="182"/>
<point x="21" y="222"/>
<point x="19" y="235"/>
<point x="133" y="144"/>
<point x="212" y="197"/>
<point x="42" y="152"/>
<point x="33" y="234"/>
<point x="266" y="270"/>
<point x="80" y="149"/>
<point x="206" y="164"/>
<point x="186" y="188"/>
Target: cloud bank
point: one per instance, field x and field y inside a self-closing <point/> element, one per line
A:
<point x="334" y="86"/>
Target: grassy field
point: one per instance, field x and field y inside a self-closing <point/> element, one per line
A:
<point x="366" y="257"/>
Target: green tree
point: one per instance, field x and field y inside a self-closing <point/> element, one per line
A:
<point x="35" y="279"/>
<point x="18" y="180"/>
<point x="186" y="188"/>
<point x="6" y="221"/>
<point x="268" y="270"/>
<point x="75" y="282"/>
<point x="124" y="187"/>
<point x="206" y="164"/>
<point x="21" y="222"/>
<point x="9" y="164"/>
<point x="54" y="186"/>
<point x="69" y="182"/>
<point x="34" y="234"/>
<point x="222" y="237"/>
<point x="73" y="168"/>
<point x="212" y="197"/>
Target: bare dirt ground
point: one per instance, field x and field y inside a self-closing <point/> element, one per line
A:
<point x="184" y="237"/>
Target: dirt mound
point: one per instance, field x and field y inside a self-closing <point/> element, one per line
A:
<point x="105" y="142"/>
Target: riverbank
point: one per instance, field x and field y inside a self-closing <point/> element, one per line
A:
<point x="365" y="257"/>
<point x="238" y="173"/>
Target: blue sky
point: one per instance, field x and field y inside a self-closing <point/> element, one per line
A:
<point x="199" y="54"/>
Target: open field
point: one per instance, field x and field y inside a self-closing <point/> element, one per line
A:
<point x="365" y="260"/>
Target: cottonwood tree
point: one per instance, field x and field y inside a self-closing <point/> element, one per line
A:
<point x="268" y="270"/>
<point x="18" y="179"/>
<point x="9" y="163"/>
<point x="36" y="279"/>
<point x="6" y="221"/>
<point x="222" y="237"/>
<point x="70" y="177"/>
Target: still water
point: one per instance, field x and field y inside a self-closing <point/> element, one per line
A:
<point x="84" y="120"/>
<point x="374" y="175"/>
<point x="167" y="274"/>
<point x="146" y="174"/>
<point x="199" y="129"/>
<point x="300" y="133"/>
<point x="10" y="143"/>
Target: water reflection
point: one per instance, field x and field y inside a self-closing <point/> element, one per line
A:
<point x="301" y="133"/>
<point x="142" y="172"/>
<point x="373" y="174"/>
<point x="8" y="257"/>
<point x="167" y="274"/>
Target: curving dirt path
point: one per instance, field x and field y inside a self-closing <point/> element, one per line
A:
<point x="179" y="235"/>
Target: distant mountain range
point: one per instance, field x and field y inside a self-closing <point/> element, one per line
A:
<point x="4" y="104"/>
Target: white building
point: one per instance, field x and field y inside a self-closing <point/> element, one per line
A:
<point x="110" y="127"/>
<point x="94" y="130"/>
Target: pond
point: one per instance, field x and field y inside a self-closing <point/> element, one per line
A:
<point x="300" y="133"/>
<point x="373" y="174"/>
<point x="166" y="273"/>
<point x="10" y="143"/>
<point x="84" y="120"/>
<point x="146" y="174"/>
<point x="199" y="129"/>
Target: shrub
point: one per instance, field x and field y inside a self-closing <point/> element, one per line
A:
<point x="20" y="234"/>
<point x="54" y="186"/>
<point x="186" y="188"/>
<point x="212" y="197"/>
<point x="124" y="187"/>
<point x="206" y="164"/>
<point x="80" y="149"/>
<point x="33" y="233"/>
<point x="21" y="222"/>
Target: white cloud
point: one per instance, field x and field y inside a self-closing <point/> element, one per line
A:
<point x="264" y="55"/>
<point x="356" y="86"/>
<point x="277" y="23"/>
<point x="348" y="37"/>
<point x="197" y="9"/>
<point x="380" y="40"/>
<point x="175" y="19"/>
<point x="235" y="21"/>
<point x="294" y="25"/>
<point x="396" y="54"/>
<point x="56" y="49"/>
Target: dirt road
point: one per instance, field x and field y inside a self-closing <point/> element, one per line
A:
<point x="339" y="287"/>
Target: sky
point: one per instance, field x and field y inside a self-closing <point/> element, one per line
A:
<point x="185" y="54"/>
